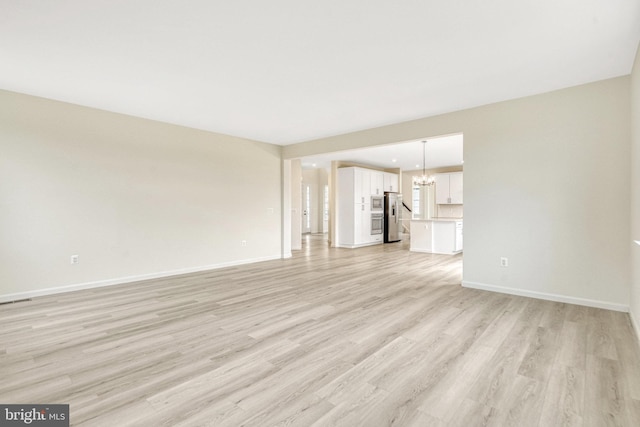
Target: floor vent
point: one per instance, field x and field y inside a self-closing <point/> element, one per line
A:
<point x="16" y="301"/>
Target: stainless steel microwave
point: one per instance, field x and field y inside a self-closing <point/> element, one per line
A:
<point x="377" y="203"/>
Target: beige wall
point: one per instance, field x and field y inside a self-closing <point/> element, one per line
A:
<point x="546" y="185"/>
<point x="132" y="197"/>
<point x="635" y="192"/>
<point x="296" y="205"/>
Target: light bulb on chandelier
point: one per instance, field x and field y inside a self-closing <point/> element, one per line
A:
<point x="423" y="180"/>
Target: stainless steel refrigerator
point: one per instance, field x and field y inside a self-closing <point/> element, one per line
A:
<point x="392" y="211"/>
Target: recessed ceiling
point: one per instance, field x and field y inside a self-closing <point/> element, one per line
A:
<point x="286" y="71"/>
<point x="440" y="152"/>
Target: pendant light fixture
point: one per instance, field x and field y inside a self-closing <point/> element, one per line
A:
<point x="423" y="180"/>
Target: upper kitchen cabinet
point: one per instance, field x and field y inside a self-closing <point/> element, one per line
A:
<point x="390" y="182"/>
<point x="363" y="183"/>
<point x="449" y="188"/>
<point x="377" y="183"/>
<point x="363" y="178"/>
<point x="455" y="188"/>
<point x="356" y="183"/>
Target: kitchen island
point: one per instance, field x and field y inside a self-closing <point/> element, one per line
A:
<point x="436" y="235"/>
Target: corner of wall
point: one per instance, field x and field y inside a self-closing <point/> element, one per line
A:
<point x="634" y="288"/>
<point x="635" y="326"/>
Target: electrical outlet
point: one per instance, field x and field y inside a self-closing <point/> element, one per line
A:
<point x="504" y="262"/>
<point x="244" y="243"/>
<point x="74" y="259"/>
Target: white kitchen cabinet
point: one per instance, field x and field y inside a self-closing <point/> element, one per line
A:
<point x="449" y="188"/>
<point x="377" y="183"/>
<point x="447" y="237"/>
<point x="366" y="183"/>
<point x="390" y="182"/>
<point x="363" y="188"/>
<point x="359" y="224"/>
<point x="455" y="188"/>
<point x="421" y="236"/>
<point x="442" y="188"/>
<point x="354" y="208"/>
<point x="356" y="183"/>
<point x="354" y="222"/>
<point x="436" y="236"/>
<point x="350" y="184"/>
<point x="458" y="238"/>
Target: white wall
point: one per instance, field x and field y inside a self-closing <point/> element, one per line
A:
<point x="635" y="193"/>
<point x="546" y="185"/>
<point x="132" y="197"/>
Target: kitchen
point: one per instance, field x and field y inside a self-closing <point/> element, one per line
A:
<point x="406" y="191"/>
<point x="437" y="226"/>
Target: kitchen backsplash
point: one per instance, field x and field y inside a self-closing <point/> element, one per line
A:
<point x="449" y="211"/>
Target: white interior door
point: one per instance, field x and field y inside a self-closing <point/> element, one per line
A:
<point x="325" y="210"/>
<point x="306" y="209"/>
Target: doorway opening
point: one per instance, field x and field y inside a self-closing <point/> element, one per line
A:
<point x="318" y="177"/>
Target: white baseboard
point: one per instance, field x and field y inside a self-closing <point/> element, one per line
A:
<point x="426" y="251"/>
<point x="360" y="245"/>
<point x="287" y="255"/>
<point x="122" y="280"/>
<point x="546" y="296"/>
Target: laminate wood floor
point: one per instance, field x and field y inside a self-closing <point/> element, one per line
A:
<point x="376" y="336"/>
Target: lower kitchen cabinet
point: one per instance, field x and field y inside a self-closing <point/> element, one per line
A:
<point x="437" y="236"/>
<point x="355" y="226"/>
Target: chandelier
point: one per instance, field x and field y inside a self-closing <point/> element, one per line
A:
<point x="423" y="180"/>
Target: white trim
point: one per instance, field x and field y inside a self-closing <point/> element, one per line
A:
<point x="122" y="280"/>
<point x="359" y="245"/>
<point x="546" y="296"/>
<point x="427" y="251"/>
<point x="422" y="251"/>
<point x="287" y="255"/>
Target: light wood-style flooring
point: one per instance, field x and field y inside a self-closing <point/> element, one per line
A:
<point x="374" y="336"/>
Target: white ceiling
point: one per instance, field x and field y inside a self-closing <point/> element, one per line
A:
<point x="440" y="152"/>
<point x="285" y="71"/>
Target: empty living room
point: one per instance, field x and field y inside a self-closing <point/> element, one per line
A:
<point x="157" y="266"/>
